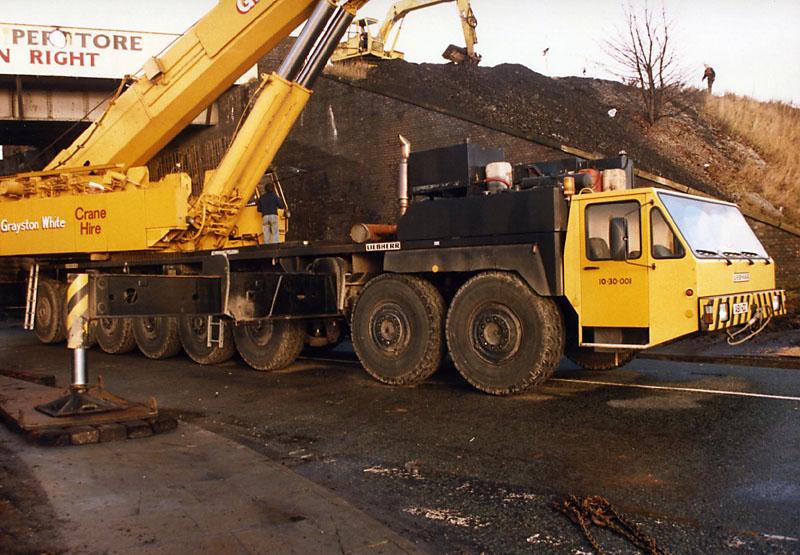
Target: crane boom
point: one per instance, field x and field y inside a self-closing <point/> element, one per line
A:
<point x="184" y="80"/>
<point x="96" y="198"/>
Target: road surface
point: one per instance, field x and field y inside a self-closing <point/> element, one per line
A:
<point x="704" y="458"/>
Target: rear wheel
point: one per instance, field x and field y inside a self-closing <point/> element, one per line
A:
<point x="502" y="336"/>
<point x="398" y="329"/>
<point x="592" y="360"/>
<point x="193" y="331"/>
<point x="269" y="345"/>
<point x="157" y="336"/>
<point x="115" y="335"/>
<point x="49" y="324"/>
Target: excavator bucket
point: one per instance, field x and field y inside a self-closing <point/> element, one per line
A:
<point x="460" y="55"/>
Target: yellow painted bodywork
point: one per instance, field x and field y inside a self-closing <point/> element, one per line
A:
<point x="663" y="296"/>
<point x="127" y="218"/>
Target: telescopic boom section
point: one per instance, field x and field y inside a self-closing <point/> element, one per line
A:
<point x="183" y="81"/>
<point x="280" y="100"/>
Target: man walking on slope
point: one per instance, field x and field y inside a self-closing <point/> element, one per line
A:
<point x="710" y="75"/>
<point x="268" y="204"/>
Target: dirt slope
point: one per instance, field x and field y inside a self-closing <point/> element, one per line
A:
<point x="690" y="148"/>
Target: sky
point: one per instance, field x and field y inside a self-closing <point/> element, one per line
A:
<point x="752" y="45"/>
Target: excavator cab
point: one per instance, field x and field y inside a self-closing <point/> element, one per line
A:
<point x="361" y="42"/>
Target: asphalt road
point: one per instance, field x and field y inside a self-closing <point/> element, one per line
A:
<point x="704" y="458"/>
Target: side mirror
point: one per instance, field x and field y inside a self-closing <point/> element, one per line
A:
<point x="618" y="235"/>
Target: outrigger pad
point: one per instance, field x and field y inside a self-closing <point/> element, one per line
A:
<point x="78" y="403"/>
<point x="96" y="416"/>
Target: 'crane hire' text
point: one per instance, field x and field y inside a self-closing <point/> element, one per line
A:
<point x="89" y="220"/>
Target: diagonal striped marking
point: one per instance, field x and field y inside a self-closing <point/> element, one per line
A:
<point x="78" y="310"/>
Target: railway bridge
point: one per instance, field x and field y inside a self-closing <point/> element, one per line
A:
<point x="55" y="80"/>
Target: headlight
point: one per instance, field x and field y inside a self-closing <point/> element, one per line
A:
<point x="776" y="302"/>
<point x="723" y="312"/>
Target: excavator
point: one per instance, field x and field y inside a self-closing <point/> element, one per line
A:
<point x="362" y="42"/>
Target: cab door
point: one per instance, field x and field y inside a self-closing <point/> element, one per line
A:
<point x="614" y="266"/>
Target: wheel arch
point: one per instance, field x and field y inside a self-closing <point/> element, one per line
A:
<point x="526" y="260"/>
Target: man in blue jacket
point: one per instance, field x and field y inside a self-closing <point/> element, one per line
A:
<point x="268" y="204"/>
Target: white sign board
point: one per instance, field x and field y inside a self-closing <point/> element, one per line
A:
<point x="76" y="51"/>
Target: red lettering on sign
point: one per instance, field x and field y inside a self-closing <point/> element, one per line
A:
<point x="83" y="37"/>
<point x="62" y="58"/>
<point x="90" y="229"/>
<point x="5" y="55"/>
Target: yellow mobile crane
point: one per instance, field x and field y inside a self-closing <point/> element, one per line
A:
<point x="362" y="43"/>
<point x="507" y="268"/>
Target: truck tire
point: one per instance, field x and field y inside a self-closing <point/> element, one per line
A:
<point x="50" y="322"/>
<point x="193" y="331"/>
<point x="502" y="336"/>
<point x="591" y="360"/>
<point x="269" y="345"/>
<point x="398" y="329"/>
<point x="115" y="335"/>
<point x="157" y="336"/>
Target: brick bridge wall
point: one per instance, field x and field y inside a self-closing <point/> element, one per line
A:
<point x="339" y="164"/>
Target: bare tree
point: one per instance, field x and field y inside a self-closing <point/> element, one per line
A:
<point x="645" y="56"/>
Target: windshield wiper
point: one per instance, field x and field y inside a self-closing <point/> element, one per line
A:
<point x="735" y="253"/>
<point x="755" y="254"/>
<point x="714" y="253"/>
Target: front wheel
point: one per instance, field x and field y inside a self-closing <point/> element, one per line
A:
<point x="502" y="336"/>
<point x="266" y="345"/>
<point x="398" y="329"/>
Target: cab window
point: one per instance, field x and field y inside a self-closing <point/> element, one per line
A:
<point x="598" y="222"/>
<point x="664" y="242"/>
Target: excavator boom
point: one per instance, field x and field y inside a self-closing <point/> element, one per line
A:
<point x="361" y="44"/>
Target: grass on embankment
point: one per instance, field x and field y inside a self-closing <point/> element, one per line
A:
<point x="773" y="129"/>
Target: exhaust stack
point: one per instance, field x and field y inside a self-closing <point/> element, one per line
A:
<point x="402" y="183"/>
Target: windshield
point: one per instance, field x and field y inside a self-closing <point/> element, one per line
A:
<point x="713" y="229"/>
